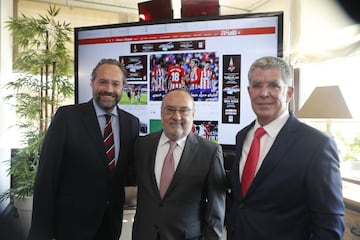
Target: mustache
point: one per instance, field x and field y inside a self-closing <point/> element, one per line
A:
<point x="172" y="121"/>
<point x="107" y="94"/>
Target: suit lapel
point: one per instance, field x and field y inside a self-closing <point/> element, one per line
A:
<point x="275" y="156"/>
<point x="150" y="154"/>
<point x="185" y="161"/>
<point x="239" y="145"/>
<point x="124" y="130"/>
<point x="92" y="125"/>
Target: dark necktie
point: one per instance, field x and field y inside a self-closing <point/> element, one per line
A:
<point x="168" y="169"/>
<point x="109" y="142"/>
<point x="251" y="161"/>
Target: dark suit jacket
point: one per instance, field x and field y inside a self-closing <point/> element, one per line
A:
<point x="74" y="186"/>
<point x="193" y="206"/>
<point x="297" y="192"/>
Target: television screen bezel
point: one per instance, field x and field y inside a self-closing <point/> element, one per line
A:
<point x="280" y="28"/>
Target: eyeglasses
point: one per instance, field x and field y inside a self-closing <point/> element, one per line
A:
<point x="182" y="111"/>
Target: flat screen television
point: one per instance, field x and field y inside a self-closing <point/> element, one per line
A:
<point x="214" y="54"/>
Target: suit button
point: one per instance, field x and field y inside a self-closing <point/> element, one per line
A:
<point x="241" y="205"/>
<point x="161" y="204"/>
<point x="156" y="227"/>
<point x="107" y="203"/>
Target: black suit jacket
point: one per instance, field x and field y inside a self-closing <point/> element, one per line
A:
<point x="193" y="206"/>
<point x="73" y="185"/>
<point x="297" y="192"/>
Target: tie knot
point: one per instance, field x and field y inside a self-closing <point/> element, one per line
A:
<point x="172" y="144"/>
<point x="107" y="117"/>
<point x="259" y="132"/>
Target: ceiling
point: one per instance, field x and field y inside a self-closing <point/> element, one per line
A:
<point x="130" y="6"/>
<point x="311" y="40"/>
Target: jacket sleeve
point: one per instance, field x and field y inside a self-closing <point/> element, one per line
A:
<point x="42" y="226"/>
<point x="324" y="182"/>
<point x="215" y="201"/>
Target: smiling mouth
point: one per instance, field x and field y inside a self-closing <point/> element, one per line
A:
<point x="177" y="124"/>
<point x="264" y="104"/>
<point x="107" y="96"/>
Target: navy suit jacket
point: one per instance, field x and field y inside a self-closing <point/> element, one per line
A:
<point x="193" y="206"/>
<point x="74" y="185"/>
<point x="297" y="192"/>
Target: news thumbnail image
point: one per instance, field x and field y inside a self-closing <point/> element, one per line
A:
<point x="135" y="66"/>
<point x="206" y="129"/>
<point x="196" y="72"/>
<point x="134" y="94"/>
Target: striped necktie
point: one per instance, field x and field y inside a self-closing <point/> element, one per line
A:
<point x="109" y="142"/>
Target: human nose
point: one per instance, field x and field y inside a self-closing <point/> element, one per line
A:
<point x="176" y="114"/>
<point x="264" y="91"/>
<point x="108" y="87"/>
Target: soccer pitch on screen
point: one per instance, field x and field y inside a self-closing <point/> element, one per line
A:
<point x="125" y="100"/>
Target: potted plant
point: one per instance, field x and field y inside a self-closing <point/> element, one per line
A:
<point x="43" y="69"/>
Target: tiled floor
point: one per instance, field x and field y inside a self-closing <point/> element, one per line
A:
<point x="129" y="213"/>
<point x="127" y="224"/>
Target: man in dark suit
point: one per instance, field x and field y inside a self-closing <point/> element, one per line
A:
<point x="77" y="194"/>
<point x="297" y="191"/>
<point x="193" y="205"/>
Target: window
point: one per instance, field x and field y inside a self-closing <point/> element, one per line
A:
<point x="343" y="72"/>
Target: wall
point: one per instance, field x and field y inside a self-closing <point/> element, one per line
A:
<point x="6" y="9"/>
<point x="313" y="32"/>
<point x="77" y="17"/>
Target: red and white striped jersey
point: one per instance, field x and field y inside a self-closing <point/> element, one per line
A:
<point x="207" y="75"/>
<point x="176" y="74"/>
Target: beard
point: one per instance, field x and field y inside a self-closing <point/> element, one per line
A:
<point x="107" y="101"/>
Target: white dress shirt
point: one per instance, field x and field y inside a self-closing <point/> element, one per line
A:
<point x="272" y="130"/>
<point x="115" y="125"/>
<point x="161" y="152"/>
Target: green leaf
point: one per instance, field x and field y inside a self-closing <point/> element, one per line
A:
<point x="44" y="69"/>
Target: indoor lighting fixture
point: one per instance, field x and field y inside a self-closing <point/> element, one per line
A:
<point x="325" y="103"/>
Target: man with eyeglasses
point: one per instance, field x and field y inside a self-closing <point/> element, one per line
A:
<point x="192" y="205"/>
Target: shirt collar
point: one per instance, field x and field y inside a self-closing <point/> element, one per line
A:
<point x="164" y="139"/>
<point x="274" y="127"/>
<point x="101" y="112"/>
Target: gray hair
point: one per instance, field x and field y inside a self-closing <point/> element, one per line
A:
<point x="273" y="62"/>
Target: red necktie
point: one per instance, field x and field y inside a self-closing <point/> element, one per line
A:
<point x="251" y="161"/>
<point x="109" y="142"/>
<point x="168" y="169"/>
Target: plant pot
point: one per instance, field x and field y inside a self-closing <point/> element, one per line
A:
<point x="24" y="209"/>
